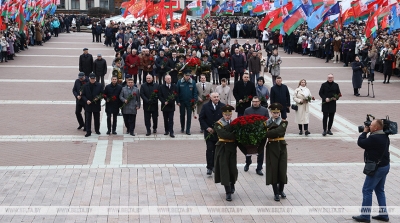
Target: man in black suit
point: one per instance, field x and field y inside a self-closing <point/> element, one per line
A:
<point x="167" y="94"/>
<point x="209" y="114"/>
<point x="280" y="94"/>
<point x="172" y="64"/>
<point x="113" y="103"/>
<point x="243" y="91"/>
<point x="234" y="46"/>
<point x="77" y="91"/>
<point x="91" y="95"/>
<point x="327" y="92"/>
<point x="149" y="95"/>
<point x="238" y="65"/>
<point x="86" y="62"/>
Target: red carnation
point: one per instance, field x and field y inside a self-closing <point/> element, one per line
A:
<point x="266" y="97"/>
<point x="313" y="98"/>
<point x="134" y="94"/>
<point x="250" y="97"/>
<point x="192" y="101"/>
<point x="114" y="98"/>
<point x="155" y="91"/>
<point x="340" y="95"/>
<point x="104" y="96"/>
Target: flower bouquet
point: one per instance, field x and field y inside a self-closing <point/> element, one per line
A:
<point x="263" y="62"/>
<point x="98" y="98"/>
<point x="193" y="106"/>
<point x="309" y="99"/>
<point x="249" y="131"/>
<point x="335" y="96"/>
<point x="193" y="63"/>
<point x="170" y="98"/>
<point x="109" y="99"/>
<point x="245" y="99"/>
<point x="164" y="62"/>
<point x="130" y="97"/>
<point x="82" y="85"/>
<point x="204" y="98"/>
<point x="153" y="96"/>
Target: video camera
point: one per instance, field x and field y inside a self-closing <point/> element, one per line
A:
<point x="389" y="127"/>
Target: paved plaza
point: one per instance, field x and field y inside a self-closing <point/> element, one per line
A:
<point x="49" y="172"/>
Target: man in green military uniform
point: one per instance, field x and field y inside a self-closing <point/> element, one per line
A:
<point x="276" y="152"/>
<point x="225" y="162"/>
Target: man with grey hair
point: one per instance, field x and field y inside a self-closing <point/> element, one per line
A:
<point x="210" y="113"/>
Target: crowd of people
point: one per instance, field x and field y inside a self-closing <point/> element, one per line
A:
<point x="194" y="72"/>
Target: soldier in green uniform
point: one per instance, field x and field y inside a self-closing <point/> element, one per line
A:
<point x="225" y="162"/>
<point x="276" y="152"/>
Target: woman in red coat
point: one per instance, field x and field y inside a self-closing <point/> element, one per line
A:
<point x="132" y="61"/>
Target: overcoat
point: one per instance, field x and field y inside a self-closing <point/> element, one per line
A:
<point x="357" y="74"/>
<point x="327" y="91"/>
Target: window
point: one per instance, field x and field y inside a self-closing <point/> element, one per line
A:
<point x="104" y="4"/>
<point x="75" y="4"/>
<point x="89" y="4"/>
<point x="61" y="5"/>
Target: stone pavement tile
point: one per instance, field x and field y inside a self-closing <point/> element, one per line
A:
<point x="38" y="91"/>
<point x="45" y="153"/>
<point x="45" y="74"/>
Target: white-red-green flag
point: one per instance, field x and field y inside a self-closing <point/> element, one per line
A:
<point x="295" y="20"/>
<point x="194" y="6"/>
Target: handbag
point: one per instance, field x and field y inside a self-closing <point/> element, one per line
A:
<point x="295" y="107"/>
<point x="371" y="166"/>
<point x="265" y="69"/>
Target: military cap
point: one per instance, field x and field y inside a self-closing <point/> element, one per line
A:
<point x="227" y="109"/>
<point x="275" y="107"/>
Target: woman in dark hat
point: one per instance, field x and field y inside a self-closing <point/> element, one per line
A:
<point x="225" y="161"/>
<point x="276" y="152"/>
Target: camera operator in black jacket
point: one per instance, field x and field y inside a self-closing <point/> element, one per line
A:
<point x="376" y="147"/>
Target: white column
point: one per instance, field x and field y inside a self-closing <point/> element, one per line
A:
<point x="96" y="3"/>
<point x="82" y="5"/>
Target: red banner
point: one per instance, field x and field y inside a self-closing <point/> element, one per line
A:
<point x="180" y="29"/>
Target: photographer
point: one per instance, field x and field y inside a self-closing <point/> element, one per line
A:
<point x="376" y="147"/>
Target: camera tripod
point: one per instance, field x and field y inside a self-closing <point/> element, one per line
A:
<point x="370" y="81"/>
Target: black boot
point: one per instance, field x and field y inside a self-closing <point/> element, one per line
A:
<point x="301" y="129"/>
<point x="276" y="192"/>
<point x="306" y="132"/>
<point x="388" y="79"/>
<point x="281" y="187"/>
<point x="232" y="188"/>
<point x="228" y="192"/>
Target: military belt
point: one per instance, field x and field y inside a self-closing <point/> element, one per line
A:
<point x="276" y="139"/>
<point x="226" y="140"/>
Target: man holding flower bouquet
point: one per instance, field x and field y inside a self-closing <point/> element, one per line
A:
<point x="243" y="91"/>
<point x="204" y="90"/>
<point x="168" y="93"/>
<point x="329" y="93"/>
<point x="92" y="94"/>
<point x="111" y="94"/>
<point x="187" y="92"/>
<point x="149" y="95"/>
<point x="131" y="103"/>
<point x="77" y="91"/>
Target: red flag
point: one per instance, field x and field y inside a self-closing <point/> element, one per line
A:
<point x="183" y="17"/>
<point x="384" y="23"/>
<point x="271" y="15"/>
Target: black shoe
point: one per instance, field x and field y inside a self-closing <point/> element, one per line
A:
<point x="283" y="195"/>
<point x="329" y="132"/>
<point x="98" y="133"/>
<point x="384" y="218"/>
<point x="154" y="130"/>
<point x="84" y="129"/>
<point x="88" y="134"/>
<point x="324" y="133"/>
<point x="127" y="132"/>
<point x="388" y="82"/>
<point x="228" y="197"/>
<point x="188" y="133"/>
<point x="172" y="135"/>
<point x="307" y="133"/>
<point x="259" y="172"/>
<point x="166" y="133"/>
<point x="148" y="133"/>
<point x="232" y="188"/>
<point x="360" y="219"/>
<point x="108" y="132"/>
<point x="182" y="131"/>
<point x="276" y="197"/>
<point x="81" y="126"/>
<point x="384" y="82"/>
<point x="246" y="168"/>
<point x="357" y="95"/>
<point x="132" y="134"/>
<point x="345" y="65"/>
<point x="114" y="132"/>
<point x="301" y="132"/>
<point x="209" y="171"/>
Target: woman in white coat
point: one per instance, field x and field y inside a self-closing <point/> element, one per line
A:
<point x="302" y="96"/>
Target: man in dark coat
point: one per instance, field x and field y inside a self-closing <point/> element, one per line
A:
<point x="280" y="94"/>
<point x="172" y="64"/>
<point x="328" y="48"/>
<point x="329" y="93"/>
<point x="238" y="64"/>
<point x="187" y="92"/>
<point x="234" y="46"/>
<point x="162" y="66"/>
<point x="225" y="162"/>
<point x="86" y="62"/>
<point x="276" y="152"/>
<point x="243" y="91"/>
<point x="222" y="63"/>
<point x="149" y="95"/>
<point x="357" y="78"/>
<point x="209" y="114"/>
<point x="77" y="91"/>
<point x="111" y="93"/>
<point x="167" y="94"/>
<point x="100" y="69"/>
<point x="91" y="95"/>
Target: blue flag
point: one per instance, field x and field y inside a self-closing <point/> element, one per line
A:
<point x="316" y="17"/>
<point x="394" y="18"/>
<point x="335" y="9"/>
